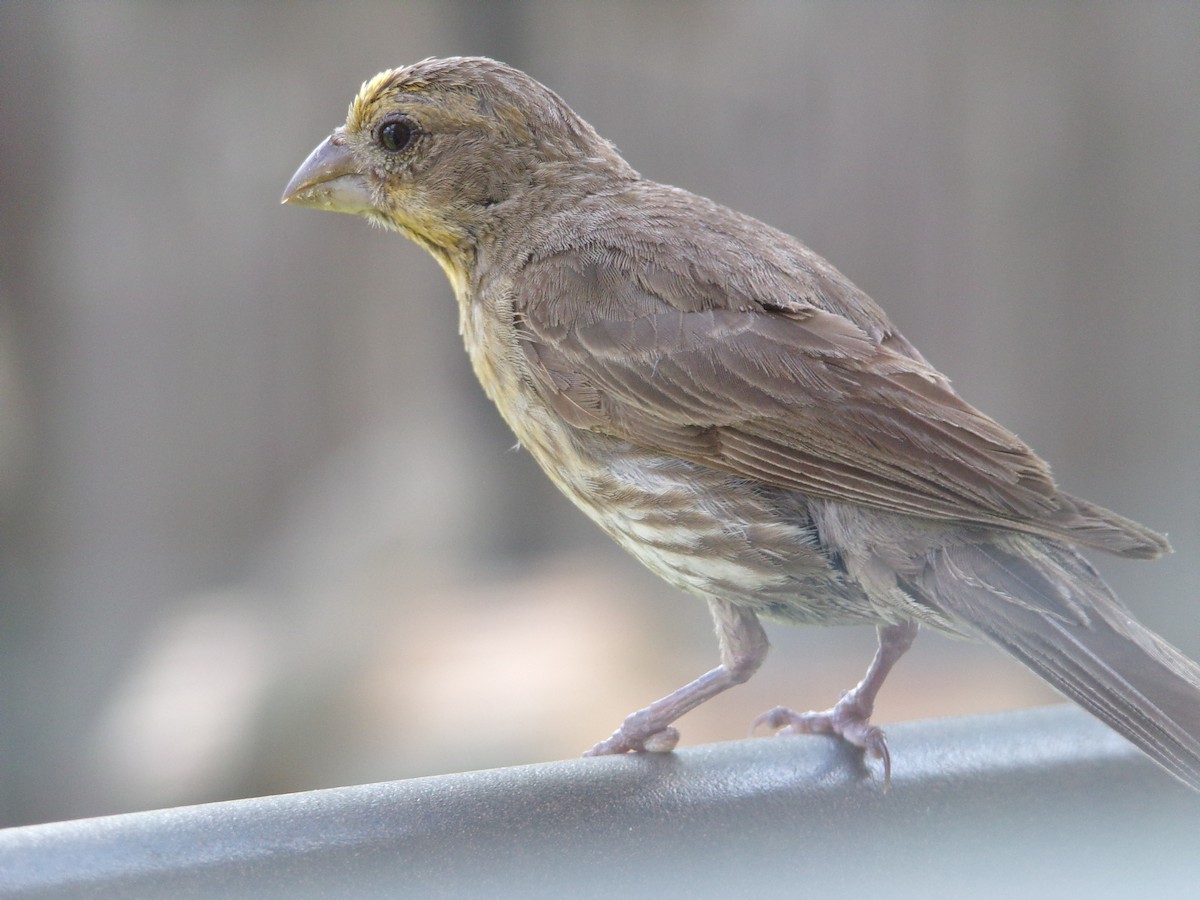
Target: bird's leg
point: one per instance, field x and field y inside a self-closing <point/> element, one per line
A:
<point x="850" y="717"/>
<point x="743" y="648"/>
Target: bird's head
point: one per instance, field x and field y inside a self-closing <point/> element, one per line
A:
<point x="443" y="149"/>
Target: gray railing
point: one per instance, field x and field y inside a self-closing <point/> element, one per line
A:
<point x="1042" y="803"/>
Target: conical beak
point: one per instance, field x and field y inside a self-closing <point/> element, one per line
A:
<point x="329" y="179"/>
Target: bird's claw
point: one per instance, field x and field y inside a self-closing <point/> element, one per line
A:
<point x="849" y="719"/>
<point x="628" y="739"/>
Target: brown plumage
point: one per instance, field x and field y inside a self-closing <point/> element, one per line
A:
<point x="737" y="414"/>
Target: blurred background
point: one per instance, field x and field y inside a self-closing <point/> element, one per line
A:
<point x="260" y="530"/>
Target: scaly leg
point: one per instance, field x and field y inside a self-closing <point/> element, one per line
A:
<point x="850" y="716"/>
<point x="743" y="648"/>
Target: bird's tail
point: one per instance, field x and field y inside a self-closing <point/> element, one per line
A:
<point x="1042" y="602"/>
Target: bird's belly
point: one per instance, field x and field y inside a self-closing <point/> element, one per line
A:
<point x="702" y="530"/>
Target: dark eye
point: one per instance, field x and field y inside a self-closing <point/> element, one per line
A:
<point x="396" y="134"/>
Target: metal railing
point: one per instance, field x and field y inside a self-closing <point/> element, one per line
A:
<point x="1041" y="803"/>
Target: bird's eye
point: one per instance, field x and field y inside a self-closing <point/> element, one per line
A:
<point x="396" y="134"/>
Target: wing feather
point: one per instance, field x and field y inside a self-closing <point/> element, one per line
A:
<point x="826" y="400"/>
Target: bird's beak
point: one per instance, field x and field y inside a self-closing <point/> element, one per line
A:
<point x="330" y="179"/>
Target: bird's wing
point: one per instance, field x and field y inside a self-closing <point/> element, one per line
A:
<point x="793" y="395"/>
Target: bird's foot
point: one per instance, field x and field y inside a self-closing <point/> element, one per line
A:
<point x="849" y="719"/>
<point x="638" y="734"/>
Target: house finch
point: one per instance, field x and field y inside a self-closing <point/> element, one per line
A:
<point x="736" y="414"/>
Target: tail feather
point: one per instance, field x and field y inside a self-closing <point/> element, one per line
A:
<point x="1043" y="603"/>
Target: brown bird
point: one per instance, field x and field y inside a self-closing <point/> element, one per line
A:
<point x="736" y="414"/>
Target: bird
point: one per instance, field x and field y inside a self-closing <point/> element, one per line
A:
<point x="739" y="416"/>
